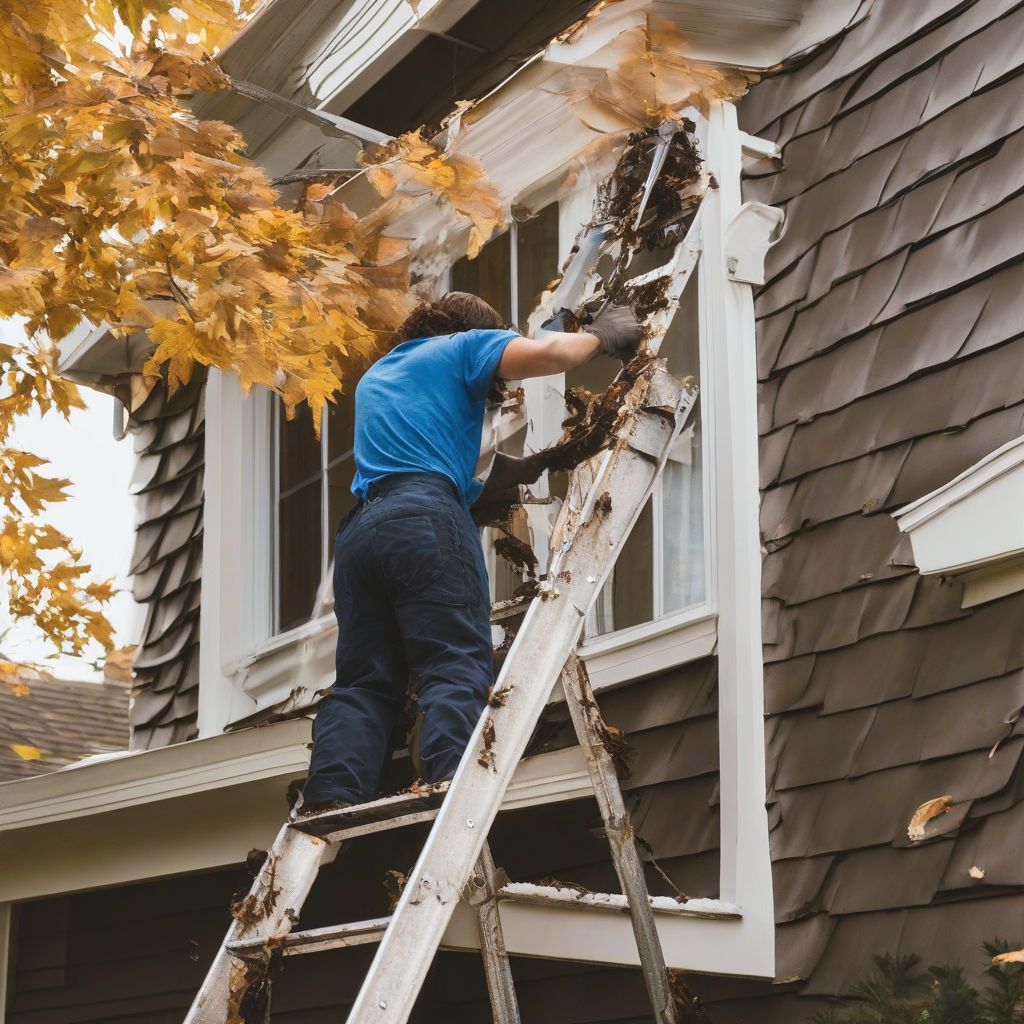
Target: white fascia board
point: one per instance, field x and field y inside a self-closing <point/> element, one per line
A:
<point x="146" y="776"/>
<point x="374" y="36"/>
<point x="341" y="57"/>
<point x="272" y="752"/>
<point x="973" y="521"/>
<point x="753" y="34"/>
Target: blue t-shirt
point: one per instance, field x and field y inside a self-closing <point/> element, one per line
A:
<point x="420" y="409"/>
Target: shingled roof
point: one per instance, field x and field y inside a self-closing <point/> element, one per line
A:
<point x="63" y="720"/>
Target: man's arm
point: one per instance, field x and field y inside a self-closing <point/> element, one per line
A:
<point x="554" y="353"/>
<point x="614" y="332"/>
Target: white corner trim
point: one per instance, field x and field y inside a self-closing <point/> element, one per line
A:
<point x="972" y="526"/>
<point x="731" y="384"/>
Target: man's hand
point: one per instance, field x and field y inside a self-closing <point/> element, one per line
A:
<point x="618" y="332"/>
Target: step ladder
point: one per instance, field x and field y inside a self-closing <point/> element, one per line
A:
<point x="605" y="497"/>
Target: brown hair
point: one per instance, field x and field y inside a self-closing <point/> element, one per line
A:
<point x="453" y="312"/>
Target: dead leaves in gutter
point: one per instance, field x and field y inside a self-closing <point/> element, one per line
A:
<point x="650" y="82"/>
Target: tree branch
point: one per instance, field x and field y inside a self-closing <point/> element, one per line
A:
<point x="178" y="294"/>
<point x="314" y="174"/>
<point x="329" y="124"/>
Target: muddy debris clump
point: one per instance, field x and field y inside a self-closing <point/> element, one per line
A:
<point x="255" y="907"/>
<point x="516" y="552"/>
<point x="394" y="885"/>
<point x="675" y="194"/>
<point x="486" y="756"/>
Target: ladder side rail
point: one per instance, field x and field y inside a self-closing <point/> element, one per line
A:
<point x="483" y="897"/>
<point x="547" y="637"/>
<point x="276" y="897"/>
<point x="586" y="717"/>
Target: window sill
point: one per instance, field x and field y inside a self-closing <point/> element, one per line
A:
<point x="282" y="641"/>
<point x="296" y="664"/>
<point x="650" y="648"/>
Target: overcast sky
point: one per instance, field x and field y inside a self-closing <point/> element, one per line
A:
<point x="99" y="516"/>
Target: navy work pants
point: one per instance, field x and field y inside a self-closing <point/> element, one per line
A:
<point x="411" y="598"/>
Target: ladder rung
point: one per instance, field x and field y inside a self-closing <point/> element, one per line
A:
<point x="548" y="896"/>
<point x="316" y="940"/>
<point x="375" y="816"/>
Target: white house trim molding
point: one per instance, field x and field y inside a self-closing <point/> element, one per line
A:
<point x="972" y="529"/>
<point x="690" y="941"/>
<point x="745" y="865"/>
<point x="271" y="752"/>
<point x="195" y="806"/>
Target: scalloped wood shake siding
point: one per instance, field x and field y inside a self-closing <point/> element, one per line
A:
<point x="168" y="433"/>
<point x="891" y="358"/>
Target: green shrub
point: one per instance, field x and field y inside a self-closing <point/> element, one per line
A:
<point x="897" y="991"/>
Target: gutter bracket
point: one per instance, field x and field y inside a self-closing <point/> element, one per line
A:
<point x="748" y="237"/>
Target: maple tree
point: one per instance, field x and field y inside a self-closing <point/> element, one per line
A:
<point x="119" y="206"/>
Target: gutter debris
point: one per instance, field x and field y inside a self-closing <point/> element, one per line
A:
<point x="691" y="1009"/>
<point x="394" y="884"/>
<point x="486" y="756"/>
<point x="563" y="892"/>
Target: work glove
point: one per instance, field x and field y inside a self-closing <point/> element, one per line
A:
<point x="618" y="331"/>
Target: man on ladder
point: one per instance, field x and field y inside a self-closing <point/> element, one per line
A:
<point x="410" y="583"/>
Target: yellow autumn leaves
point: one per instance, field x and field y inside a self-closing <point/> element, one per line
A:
<point x="118" y="206"/>
<point x="45" y="577"/>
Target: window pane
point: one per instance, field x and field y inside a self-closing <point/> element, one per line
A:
<point x="299" y="450"/>
<point x="298" y="570"/>
<point x="536" y="259"/>
<point x="341" y="425"/>
<point x="339" y="495"/>
<point x="489" y="275"/>
<point x="627" y="599"/>
<point x="682" y="488"/>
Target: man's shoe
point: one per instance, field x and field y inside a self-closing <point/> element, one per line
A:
<point x="303" y="810"/>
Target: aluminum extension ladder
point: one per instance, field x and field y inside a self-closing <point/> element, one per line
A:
<point x="605" y="497"/>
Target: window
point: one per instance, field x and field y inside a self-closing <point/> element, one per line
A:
<point x="513" y="286"/>
<point x="312" y="479"/>
<point x="662" y="569"/>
